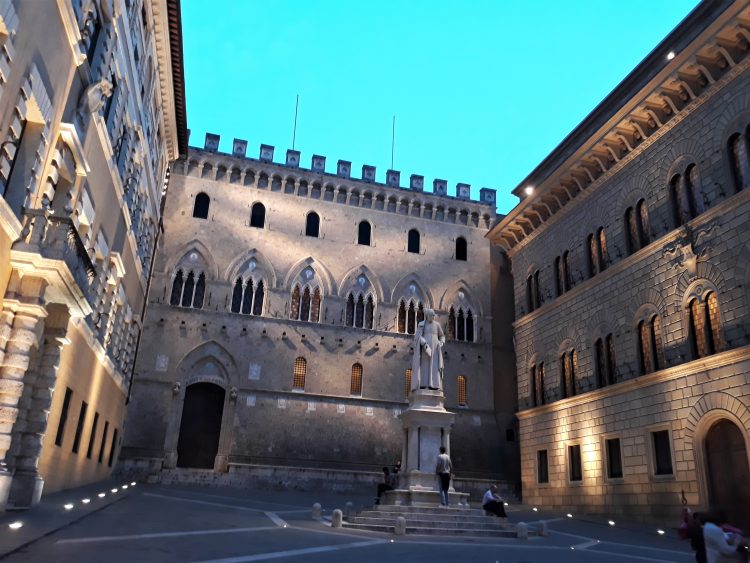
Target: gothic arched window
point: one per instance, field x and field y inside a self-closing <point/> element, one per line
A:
<point x="312" y="225"/>
<point x="740" y="159"/>
<point x="258" y="215"/>
<point x="461" y="249"/>
<point x="300" y="371"/>
<point x="356" y="385"/>
<point x="413" y="241"/>
<point x="462" y="397"/>
<point x="200" y="208"/>
<point x="364" y="233"/>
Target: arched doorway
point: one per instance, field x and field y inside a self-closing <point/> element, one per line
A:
<point x="728" y="472"/>
<point x="200" y="426"/>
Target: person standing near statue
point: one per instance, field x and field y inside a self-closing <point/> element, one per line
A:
<point x="427" y="362"/>
<point x="443" y="469"/>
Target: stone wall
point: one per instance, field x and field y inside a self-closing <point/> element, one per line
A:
<point x="323" y="425"/>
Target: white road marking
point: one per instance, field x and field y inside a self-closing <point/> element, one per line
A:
<point x="294" y="552"/>
<point x="223" y="505"/>
<point x="276" y="520"/>
<point x="166" y="535"/>
<point x="586" y="545"/>
<point x="227" y="497"/>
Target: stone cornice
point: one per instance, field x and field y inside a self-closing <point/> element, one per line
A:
<point x="641" y="382"/>
<point x="616" y="269"/>
<point x="170" y="68"/>
<point x="696" y="74"/>
<point x="9" y="223"/>
<point x="485" y="213"/>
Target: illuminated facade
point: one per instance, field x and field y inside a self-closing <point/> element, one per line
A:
<point x="91" y="114"/>
<point x="284" y="302"/>
<point x="630" y="253"/>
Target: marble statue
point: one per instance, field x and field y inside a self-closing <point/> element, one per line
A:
<point x="427" y="363"/>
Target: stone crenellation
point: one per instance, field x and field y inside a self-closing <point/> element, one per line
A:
<point x="487" y="196"/>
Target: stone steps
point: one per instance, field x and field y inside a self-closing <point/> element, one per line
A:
<point x="427" y="522"/>
<point x="431" y="521"/>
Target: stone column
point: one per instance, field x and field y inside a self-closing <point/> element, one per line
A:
<point x="26" y="489"/>
<point x="19" y="322"/>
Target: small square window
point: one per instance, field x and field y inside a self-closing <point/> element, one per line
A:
<point x="614" y="458"/>
<point x="574" y="463"/>
<point x="662" y="453"/>
<point x="542" y="470"/>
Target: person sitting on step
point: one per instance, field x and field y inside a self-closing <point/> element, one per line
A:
<point x="491" y="502"/>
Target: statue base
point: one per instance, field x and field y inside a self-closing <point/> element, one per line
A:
<point x="423" y="498"/>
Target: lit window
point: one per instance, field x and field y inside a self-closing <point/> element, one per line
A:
<point x="300" y="370"/>
<point x="462" y="399"/>
<point x="356" y="386"/>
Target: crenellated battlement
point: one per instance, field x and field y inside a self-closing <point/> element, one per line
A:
<point x="487" y="196"/>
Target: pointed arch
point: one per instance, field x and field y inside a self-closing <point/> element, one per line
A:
<point x="402" y="289"/>
<point x="183" y="252"/>
<point x="240" y="265"/>
<point x="188" y="372"/>
<point x="322" y="275"/>
<point x="450" y="297"/>
<point x="350" y="280"/>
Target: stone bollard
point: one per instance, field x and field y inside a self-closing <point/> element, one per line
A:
<point x="542" y="527"/>
<point x="317" y="510"/>
<point x="400" y="528"/>
<point x="348" y="510"/>
<point x="336" y="518"/>
<point x="522" y="531"/>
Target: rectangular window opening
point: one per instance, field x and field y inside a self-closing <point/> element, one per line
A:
<point x="104" y="442"/>
<point x="662" y="453"/>
<point x="112" y="449"/>
<point x="79" y="426"/>
<point x="92" y="438"/>
<point x="542" y="470"/>
<point x="574" y="463"/>
<point x="63" y="417"/>
<point x="614" y="458"/>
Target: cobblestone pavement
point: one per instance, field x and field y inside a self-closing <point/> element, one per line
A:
<point x="178" y="524"/>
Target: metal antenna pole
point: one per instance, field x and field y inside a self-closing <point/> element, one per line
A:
<point x="294" y="135"/>
<point x="393" y="139"/>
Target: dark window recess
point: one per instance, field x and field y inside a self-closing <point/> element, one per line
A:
<point x="510" y="435"/>
<point x="202" y="203"/>
<point x="413" y="243"/>
<point x="63" y="417"/>
<point x="614" y="458"/>
<point x="542" y="471"/>
<point x="662" y="453"/>
<point x="112" y="448"/>
<point x="574" y="463"/>
<point x="312" y="228"/>
<point x="92" y="438"/>
<point x="104" y="442"/>
<point x="258" y="216"/>
<point x="79" y="426"/>
<point x="364" y="233"/>
<point x="461" y="249"/>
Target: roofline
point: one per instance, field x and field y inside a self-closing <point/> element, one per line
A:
<point x="695" y="23"/>
<point x="178" y="74"/>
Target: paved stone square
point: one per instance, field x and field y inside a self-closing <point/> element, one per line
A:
<point x="151" y="523"/>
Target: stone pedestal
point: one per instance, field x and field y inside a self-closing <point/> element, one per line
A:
<point x="26" y="490"/>
<point x="427" y="426"/>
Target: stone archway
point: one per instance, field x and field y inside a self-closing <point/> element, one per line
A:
<point x="200" y="426"/>
<point x="727" y="471"/>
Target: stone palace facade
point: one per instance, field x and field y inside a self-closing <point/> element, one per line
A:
<point x="282" y="310"/>
<point x="91" y="114"/>
<point x="630" y="252"/>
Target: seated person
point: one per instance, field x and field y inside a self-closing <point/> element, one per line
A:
<point x="492" y="502"/>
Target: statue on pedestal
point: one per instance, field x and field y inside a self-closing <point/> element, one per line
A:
<point x="427" y="362"/>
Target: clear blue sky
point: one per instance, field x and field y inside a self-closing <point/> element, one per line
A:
<point x="482" y="90"/>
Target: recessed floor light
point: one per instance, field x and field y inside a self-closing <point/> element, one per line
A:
<point x="569" y="515"/>
<point x="611" y="522"/>
<point x="102" y="495"/>
<point x="670" y="55"/>
<point x="68" y="506"/>
<point x="86" y="501"/>
<point x="15" y="525"/>
<point x="114" y="490"/>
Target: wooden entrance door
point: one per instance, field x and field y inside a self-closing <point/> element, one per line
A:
<point x="200" y="426"/>
<point x="728" y="472"/>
